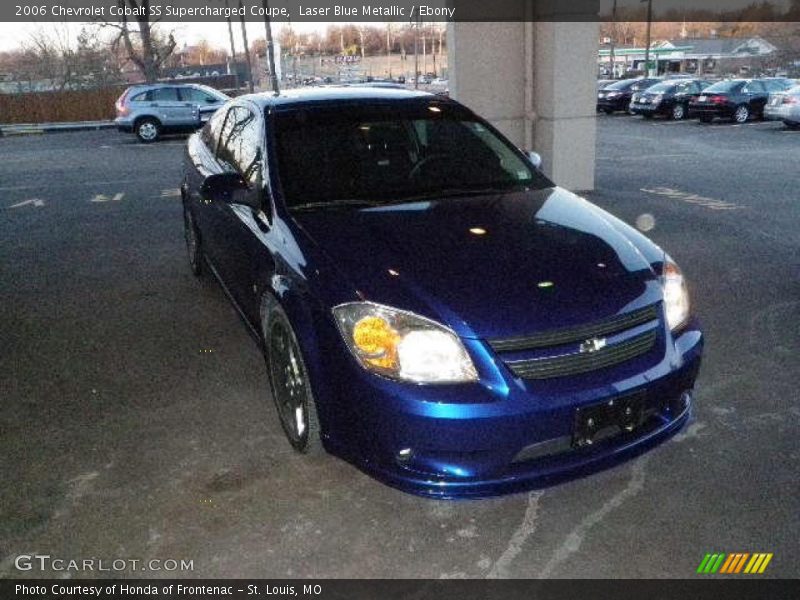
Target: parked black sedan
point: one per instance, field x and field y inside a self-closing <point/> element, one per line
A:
<point x="617" y="96"/>
<point x="734" y="99"/>
<point x="669" y="98"/>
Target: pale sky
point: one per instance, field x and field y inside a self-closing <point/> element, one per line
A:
<point x="14" y="34"/>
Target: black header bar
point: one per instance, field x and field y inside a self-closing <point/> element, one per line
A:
<point x="341" y="589"/>
<point x="401" y="11"/>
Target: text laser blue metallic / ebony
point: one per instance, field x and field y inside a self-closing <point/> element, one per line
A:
<point x="430" y="306"/>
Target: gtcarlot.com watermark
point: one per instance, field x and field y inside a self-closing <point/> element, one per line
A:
<point x="45" y="562"/>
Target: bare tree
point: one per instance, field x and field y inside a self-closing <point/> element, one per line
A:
<point x="144" y="45"/>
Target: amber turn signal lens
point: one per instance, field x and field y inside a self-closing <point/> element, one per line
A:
<point x="377" y="341"/>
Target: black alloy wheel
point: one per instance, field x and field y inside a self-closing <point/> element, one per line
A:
<point x="289" y="383"/>
<point x="193" y="245"/>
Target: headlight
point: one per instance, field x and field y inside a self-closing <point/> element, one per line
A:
<point x="402" y="345"/>
<point x="676" y="296"/>
<point x="612" y="94"/>
<point x="658" y="98"/>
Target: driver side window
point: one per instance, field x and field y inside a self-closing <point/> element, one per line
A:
<point x="240" y="144"/>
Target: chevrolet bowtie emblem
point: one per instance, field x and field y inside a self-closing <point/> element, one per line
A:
<point x="593" y="345"/>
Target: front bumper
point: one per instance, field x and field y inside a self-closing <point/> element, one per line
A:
<point x="646" y="109"/>
<point x="463" y="442"/>
<point x="614" y="104"/>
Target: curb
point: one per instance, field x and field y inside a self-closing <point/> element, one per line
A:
<point x="19" y="130"/>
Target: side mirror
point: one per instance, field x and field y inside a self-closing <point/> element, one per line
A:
<point x="230" y="188"/>
<point x="223" y="187"/>
<point x="535" y="158"/>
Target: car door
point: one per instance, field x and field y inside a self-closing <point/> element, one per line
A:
<point x="203" y="103"/>
<point x="243" y="235"/>
<point x="170" y="109"/>
<point x="201" y="162"/>
<point x="756" y="95"/>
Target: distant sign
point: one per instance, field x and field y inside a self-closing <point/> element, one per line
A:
<point x="348" y="59"/>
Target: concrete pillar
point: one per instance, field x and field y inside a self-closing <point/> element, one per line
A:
<point x="536" y="82"/>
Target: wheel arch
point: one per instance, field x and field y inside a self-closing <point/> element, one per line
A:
<point x="148" y="117"/>
<point x="303" y="320"/>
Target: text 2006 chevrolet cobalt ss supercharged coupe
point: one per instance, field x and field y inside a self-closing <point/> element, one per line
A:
<point x="430" y="306"/>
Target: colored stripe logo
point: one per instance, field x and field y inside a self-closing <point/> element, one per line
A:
<point x="734" y="563"/>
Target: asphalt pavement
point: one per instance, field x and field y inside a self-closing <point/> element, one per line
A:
<point x="136" y="422"/>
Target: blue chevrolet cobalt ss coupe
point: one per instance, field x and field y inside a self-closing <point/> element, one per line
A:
<point x="430" y="306"/>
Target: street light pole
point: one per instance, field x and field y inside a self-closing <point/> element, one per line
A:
<point x="416" y="54"/>
<point x="613" y="67"/>
<point x="233" y="46"/>
<point x="273" y="76"/>
<point x="647" y="44"/>
<point x="247" y="49"/>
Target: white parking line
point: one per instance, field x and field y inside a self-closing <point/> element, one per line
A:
<point x="103" y="198"/>
<point x="15" y="188"/>
<point x="35" y="202"/>
<point x="690" y="198"/>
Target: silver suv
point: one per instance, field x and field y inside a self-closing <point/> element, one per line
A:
<point x="150" y="110"/>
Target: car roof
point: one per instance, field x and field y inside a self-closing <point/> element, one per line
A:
<point x="161" y="84"/>
<point x="334" y="94"/>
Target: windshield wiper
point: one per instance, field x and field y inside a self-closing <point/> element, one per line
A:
<point x="342" y="203"/>
<point x="454" y="193"/>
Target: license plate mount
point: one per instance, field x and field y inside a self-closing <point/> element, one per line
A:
<point x="607" y="419"/>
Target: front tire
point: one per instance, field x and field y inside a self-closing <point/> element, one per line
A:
<point x="289" y="381"/>
<point x="148" y="130"/>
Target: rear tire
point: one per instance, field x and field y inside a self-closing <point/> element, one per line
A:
<point x="289" y="381"/>
<point x="193" y="244"/>
<point x="678" y="112"/>
<point x="148" y="130"/>
<point x="741" y="114"/>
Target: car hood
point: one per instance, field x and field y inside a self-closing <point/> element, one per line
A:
<point x="490" y="266"/>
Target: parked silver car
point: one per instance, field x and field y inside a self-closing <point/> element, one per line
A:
<point x="151" y="110"/>
<point x="784" y="106"/>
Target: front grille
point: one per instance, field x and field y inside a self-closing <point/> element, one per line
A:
<point x="574" y="364"/>
<point x="577" y="334"/>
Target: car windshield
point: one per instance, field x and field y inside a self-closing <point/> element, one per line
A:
<point x="621" y="85"/>
<point x="662" y="88"/>
<point x="214" y="92"/>
<point x="362" y="154"/>
<point x="723" y="86"/>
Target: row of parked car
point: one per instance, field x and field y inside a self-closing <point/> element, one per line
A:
<point x="737" y="100"/>
<point x="152" y="110"/>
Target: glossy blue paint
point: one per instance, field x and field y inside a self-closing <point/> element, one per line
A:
<point x="493" y="266"/>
